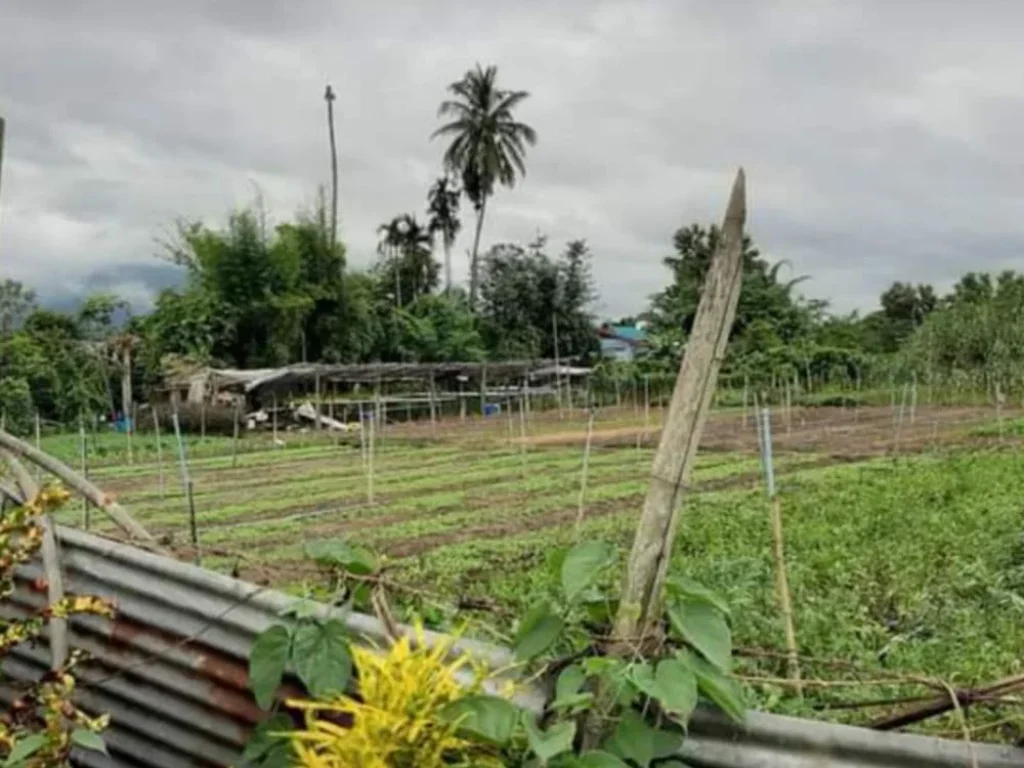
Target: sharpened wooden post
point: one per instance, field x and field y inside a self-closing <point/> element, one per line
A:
<point x="640" y="602"/>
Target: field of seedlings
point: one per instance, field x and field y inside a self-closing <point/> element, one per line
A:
<point x="904" y="534"/>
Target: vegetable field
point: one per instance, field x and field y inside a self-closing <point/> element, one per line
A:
<point x="904" y="537"/>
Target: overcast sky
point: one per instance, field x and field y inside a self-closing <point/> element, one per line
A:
<point x="881" y="139"/>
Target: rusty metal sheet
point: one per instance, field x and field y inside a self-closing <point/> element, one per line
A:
<point x="171" y="672"/>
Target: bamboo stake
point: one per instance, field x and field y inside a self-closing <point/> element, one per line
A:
<point x="159" y="455"/>
<point x="746" y="386"/>
<point x="193" y="525"/>
<point x="433" y="411"/>
<point x="317" y="426"/>
<point x="362" y="436"/>
<point x="202" y="418"/>
<point x="369" y="463"/>
<point x="508" y="412"/>
<point x="781" y="572"/>
<point x="39" y="442"/>
<point x="522" y="433"/>
<point x="647" y="406"/>
<point x="182" y="453"/>
<point x="583" y="474"/>
<point x="83" y="463"/>
<point x="234" y="436"/>
<point x="273" y="418"/>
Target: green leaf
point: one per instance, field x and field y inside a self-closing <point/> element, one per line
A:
<point x="546" y="744"/>
<point x="537" y="631"/>
<point x="641" y="675"/>
<point x="702" y="626"/>
<point x="597" y="759"/>
<point x="631" y="740"/>
<point x="266" y="749"/>
<point x="267" y="661"/>
<point x="686" y="588"/>
<point x="86" y="739"/>
<point x="581" y="566"/>
<point x="569" y="682"/>
<point x="302" y="609"/>
<point x="339" y="553"/>
<point x="322" y="658"/>
<point x="486" y="718"/>
<point x="721" y="690"/>
<point x="676" y="688"/>
<point x="25" y="748"/>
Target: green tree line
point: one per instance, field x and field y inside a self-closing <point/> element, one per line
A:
<point x="257" y="295"/>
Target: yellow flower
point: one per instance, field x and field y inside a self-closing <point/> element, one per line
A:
<point x="395" y="721"/>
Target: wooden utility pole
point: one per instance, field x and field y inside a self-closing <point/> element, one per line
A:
<point x="2" y="124"/>
<point x="640" y="602"/>
<point x="329" y="98"/>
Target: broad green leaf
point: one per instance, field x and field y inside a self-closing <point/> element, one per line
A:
<point x="676" y="688"/>
<point x="721" y="690"/>
<point x="702" y="626"/>
<point x="631" y="740"/>
<point x="267" y="661"/>
<point x="687" y="588"/>
<point x="641" y="675"/>
<point x="538" y="630"/>
<point x="582" y="565"/>
<point x="546" y="744"/>
<point x="25" y="748"/>
<point x="487" y="718"/>
<point x="596" y="759"/>
<point x="634" y="739"/>
<point x="86" y="739"/>
<point x="267" y="750"/>
<point x="322" y="658"/>
<point x="569" y="682"/>
<point x="302" y="609"/>
<point x="339" y="553"/>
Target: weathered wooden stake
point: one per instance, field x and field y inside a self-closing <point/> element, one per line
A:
<point x="273" y="417"/>
<point x="640" y="602"/>
<point x="202" y="418"/>
<point x="433" y="410"/>
<point x="39" y="443"/>
<point x="746" y="387"/>
<point x="182" y="453"/>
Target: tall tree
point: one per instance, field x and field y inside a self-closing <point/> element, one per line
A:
<point x="407" y="247"/>
<point x="488" y="144"/>
<point x="443" y="209"/>
<point x="16" y="303"/>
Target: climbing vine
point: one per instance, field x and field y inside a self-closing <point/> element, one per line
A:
<point x="605" y="710"/>
<point x="42" y="725"/>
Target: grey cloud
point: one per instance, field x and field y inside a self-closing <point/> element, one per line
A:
<point x="880" y="138"/>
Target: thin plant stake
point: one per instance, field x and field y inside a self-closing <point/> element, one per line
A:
<point x="781" y="575"/>
<point x="182" y="453"/>
<point x="83" y="460"/>
<point x="159" y="455"/>
<point x="193" y="525"/>
<point x="522" y="432"/>
<point x="234" y="436"/>
<point x="369" y="460"/>
<point x="583" y="473"/>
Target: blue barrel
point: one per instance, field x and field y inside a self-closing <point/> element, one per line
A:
<point x="491" y="409"/>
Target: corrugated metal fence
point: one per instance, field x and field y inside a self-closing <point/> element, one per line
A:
<point x="171" y="672"/>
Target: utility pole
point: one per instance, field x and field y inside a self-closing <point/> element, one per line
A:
<point x="1" y="154"/>
<point x="329" y="98"/>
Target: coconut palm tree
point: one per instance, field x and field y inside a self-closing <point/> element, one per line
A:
<point x="488" y="145"/>
<point x="443" y="208"/>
